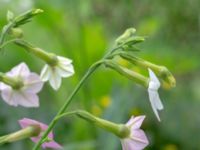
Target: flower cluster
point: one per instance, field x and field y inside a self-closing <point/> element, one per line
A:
<point x="20" y="86"/>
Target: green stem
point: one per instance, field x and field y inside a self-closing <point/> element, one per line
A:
<point x="8" y="42"/>
<point x="134" y="76"/>
<point x="68" y="101"/>
<point x="5" y="30"/>
<point x="70" y="98"/>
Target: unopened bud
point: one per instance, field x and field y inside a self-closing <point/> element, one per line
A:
<point x="16" y="32"/>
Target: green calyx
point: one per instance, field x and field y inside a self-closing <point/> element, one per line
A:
<point x="28" y="132"/>
<point x="119" y="130"/>
<point x="49" y="58"/>
<point x="15" y="83"/>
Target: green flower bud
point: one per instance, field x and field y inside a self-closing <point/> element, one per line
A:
<point x="16" y="32"/>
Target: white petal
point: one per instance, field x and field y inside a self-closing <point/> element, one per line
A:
<point x="65" y="71"/>
<point x="3" y="86"/>
<point x="155" y="83"/>
<point x="33" y="83"/>
<point x="55" y="79"/>
<point x="64" y="61"/>
<point x="45" y="73"/>
<point x="155" y="101"/>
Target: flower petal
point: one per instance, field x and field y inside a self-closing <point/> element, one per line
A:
<point x="64" y="60"/>
<point x="7" y="95"/>
<point x="138" y="139"/>
<point x="51" y="144"/>
<point x="25" y="122"/>
<point x="155" y="101"/>
<point x="135" y="122"/>
<point x="65" y="71"/>
<point x="26" y="99"/>
<point x="155" y="83"/>
<point x="19" y="70"/>
<point x="55" y="79"/>
<point x="33" y="83"/>
<point x="45" y="73"/>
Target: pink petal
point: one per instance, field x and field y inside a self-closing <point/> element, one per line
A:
<point x="7" y="95"/>
<point x="51" y="144"/>
<point x="19" y="70"/>
<point x="25" y="122"/>
<point x="26" y="99"/>
<point x="135" y="122"/>
<point x="33" y="83"/>
<point x="139" y="139"/>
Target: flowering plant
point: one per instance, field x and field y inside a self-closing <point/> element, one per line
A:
<point x="20" y="86"/>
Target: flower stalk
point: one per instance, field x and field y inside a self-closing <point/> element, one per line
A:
<point x="134" y="76"/>
<point x="49" y="58"/>
<point x="118" y="129"/>
<point x="30" y="131"/>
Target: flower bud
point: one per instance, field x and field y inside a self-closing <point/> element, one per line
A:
<point x="16" y="32"/>
<point x="128" y="38"/>
<point x="166" y="76"/>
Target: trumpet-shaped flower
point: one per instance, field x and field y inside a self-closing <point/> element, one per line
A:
<point x="25" y="122"/>
<point x="137" y="139"/>
<point x="154" y="98"/>
<point x="26" y="94"/>
<point x="54" y="73"/>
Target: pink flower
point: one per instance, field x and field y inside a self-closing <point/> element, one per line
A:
<point x="137" y="139"/>
<point x="51" y="144"/>
<point x="27" y="94"/>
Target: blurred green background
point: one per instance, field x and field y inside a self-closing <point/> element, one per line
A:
<point x="84" y="31"/>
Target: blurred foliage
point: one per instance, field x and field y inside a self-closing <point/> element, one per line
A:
<point x="83" y="31"/>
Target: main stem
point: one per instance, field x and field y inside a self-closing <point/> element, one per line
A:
<point x="70" y="98"/>
<point x="68" y="101"/>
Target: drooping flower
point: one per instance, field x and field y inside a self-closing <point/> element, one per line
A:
<point x="26" y="94"/>
<point x="154" y="98"/>
<point x="54" y="73"/>
<point x="25" y="122"/>
<point x="137" y="139"/>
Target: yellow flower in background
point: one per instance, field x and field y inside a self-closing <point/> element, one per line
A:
<point x="105" y="101"/>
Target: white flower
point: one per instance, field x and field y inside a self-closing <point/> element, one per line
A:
<point x="137" y="139"/>
<point x="154" y="98"/>
<point x="63" y="68"/>
<point x="27" y="94"/>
